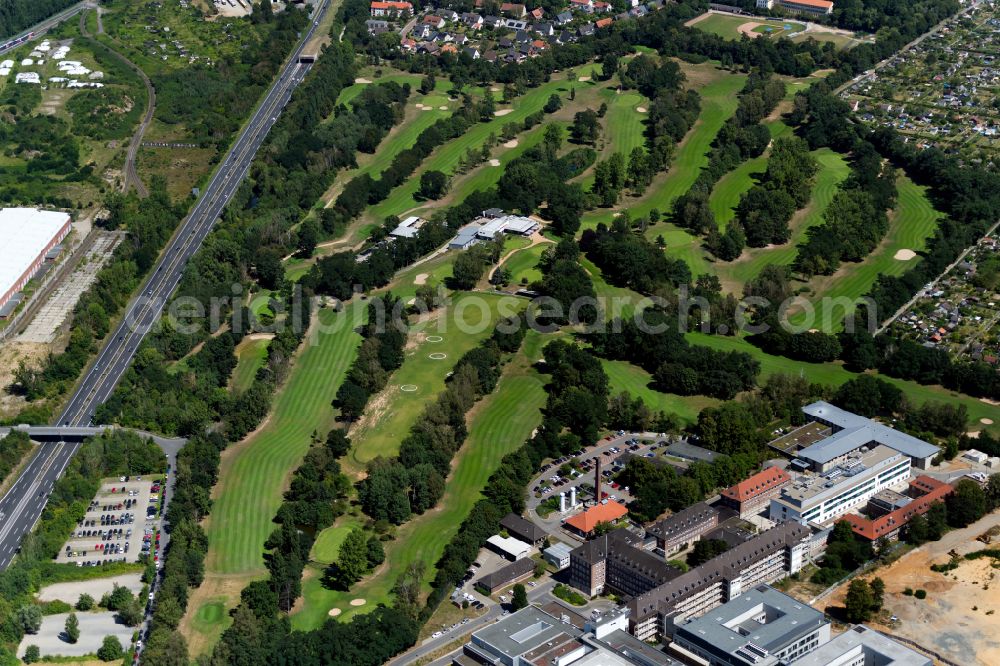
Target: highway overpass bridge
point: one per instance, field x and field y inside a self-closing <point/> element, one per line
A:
<point x="76" y="434"/>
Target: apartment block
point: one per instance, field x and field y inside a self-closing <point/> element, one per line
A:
<point x="683" y="528"/>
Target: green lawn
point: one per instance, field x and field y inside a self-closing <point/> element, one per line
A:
<point x="627" y="377"/>
<point x="251" y="355"/>
<point x="252" y="478"/>
<point x="911" y="223"/>
<point x="327" y="545"/>
<point x="522" y="264"/>
<point x="388" y="417"/>
<point x="623" y="126"/>
<point x="833" y="169"/>
<point x="499" y="424"/>
<point x="723" y="25"/>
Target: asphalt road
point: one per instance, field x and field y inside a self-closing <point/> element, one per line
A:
<point x="41" y="28"/>
<point x="21" y="507"/>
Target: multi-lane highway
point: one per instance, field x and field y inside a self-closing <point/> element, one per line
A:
<point x="22" y="505"/>
<point x="41" y="28"/>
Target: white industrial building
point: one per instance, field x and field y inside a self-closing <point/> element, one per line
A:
<point x="508" y="224"/>
<point x="509" y="547"/>
<point x="28" y="236"/>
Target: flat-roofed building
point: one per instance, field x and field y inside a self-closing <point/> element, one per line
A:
<point x="852" y="432"/>
<point x="522" y="529"/>
<point x="821" y="498"/>
<point x="751" y="496"/>
<point x="762" y="626"/>
<point x="770" y="556"/>
<point x="683" y="528"/>
<point x="28" y="235"/>
<point x="508" y="224"/>
<point x="558" y="555"/>
<point x="509" y="547"/>
<point x="408" y="228"/>
<point x="861" y="646"/>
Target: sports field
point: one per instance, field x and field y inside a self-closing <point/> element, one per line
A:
<point x="912" y="222"/>
<point x="499" y="424"/>
<point x="451" y="332"/>
<point x="627" y="377"/>
<point x="728" y="26"/>
<point x="251" y="354"/>
<point x="254" y="472"/>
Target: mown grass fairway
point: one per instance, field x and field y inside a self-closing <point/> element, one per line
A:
<point x="445" y="158"/>
<point x="727" y="192"/>
<point x="327" y="545"/>
<point x="461" y="325"/>
<point x="912" y="222"/>
<point x="834" y="374"/>
<point x="523" y="265"/>
<point x="627" y="377"/>
<point x="251" y="354"/>
<point x="833" y="169"/>
<point x="499" y="424"/>
<point x="254" y="472"/>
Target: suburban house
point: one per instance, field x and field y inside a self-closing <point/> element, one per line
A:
<point x="391" y="8"/>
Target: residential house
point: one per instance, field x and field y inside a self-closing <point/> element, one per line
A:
<point x="513" y="9"/>
<point x="376" y="26"/>
<point x="472" y="52"/>
<point x="493" y="22"/>
<point x="390" y="8"/>
<point x="543" y="29"/>
<point x="434" y="21"/>
<point x="639" y="11"/>
<point x="602" y="7"/>
<point x="582" y="5"/>
<point x="448" y="15"/>
<point x="604" y="23"/>
<point x="473" y="21"/>
<point x="562" y="18"/>
<point x="516" y="24"/>
<point x="586" y="30"/>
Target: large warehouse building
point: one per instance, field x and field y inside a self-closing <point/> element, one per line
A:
<point x="28" y="236"/>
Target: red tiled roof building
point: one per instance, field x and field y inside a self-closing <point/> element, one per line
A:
<point x="753" y="495"/>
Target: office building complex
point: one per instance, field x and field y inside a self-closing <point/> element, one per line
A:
<point x="770" y="556"/>
<point x="889" y="511"/>
<point x="861" y="646"/>
<point x="858" y="476"/>
<point x="761" y="627"/>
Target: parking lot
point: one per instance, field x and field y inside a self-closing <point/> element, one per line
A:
<point x="51" y="639"/>
<point x="121" y="523"/>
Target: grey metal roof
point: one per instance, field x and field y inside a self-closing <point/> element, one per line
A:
<point x="518" y="526"/>
<point x="877" y="649"/>
<point x="857" y="431"/>
<point x="728" y="628"/>
<point x="559" y="550"/>
<point x="522" y="631"/>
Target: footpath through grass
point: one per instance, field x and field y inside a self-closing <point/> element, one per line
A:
<point x="499" y="424"/>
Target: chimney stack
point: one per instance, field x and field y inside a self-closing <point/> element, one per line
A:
<point x="597" y="481"/>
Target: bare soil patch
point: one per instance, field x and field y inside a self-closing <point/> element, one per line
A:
<point x="747" y="29"/>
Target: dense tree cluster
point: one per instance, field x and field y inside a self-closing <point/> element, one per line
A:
<point x="17" y="15"/>
<point x="660" y="348"/>
<point x="845" y="552"/>
<point x="13" y="448"/>
<point x="413" y="482"/>
<point x="566" y="282"/>
<point x="381" y="353"/>
<point x="855" y="221"/>
<point x="630" y="260"/>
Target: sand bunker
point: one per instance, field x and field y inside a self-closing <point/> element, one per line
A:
<point x="357" y="602"/>
<point x="494" y="162"/>
<point x="443" y="107"/>
<point x="334" y="612"/>
<point x="583" y="79"/>
<point x="427" y="108"/>
<point x="420" y="279"/>
<point x="494" y="88"/>
<point x="904" y="255"/>
<point x="502" y="112"/>
<point x="419" y="105"/>
<point x="640" y="109"/>
<point x="361" y="79"/>
<point x="511" y="144"/>
<point x="986" y="421"/>
<point x="747" y="29"/>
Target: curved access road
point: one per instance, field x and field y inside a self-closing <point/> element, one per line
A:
<point x="131" y="173"/>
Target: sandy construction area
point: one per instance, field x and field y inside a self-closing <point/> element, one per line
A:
<point x="953" y="619"/>
<point x="904" y="255"/>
